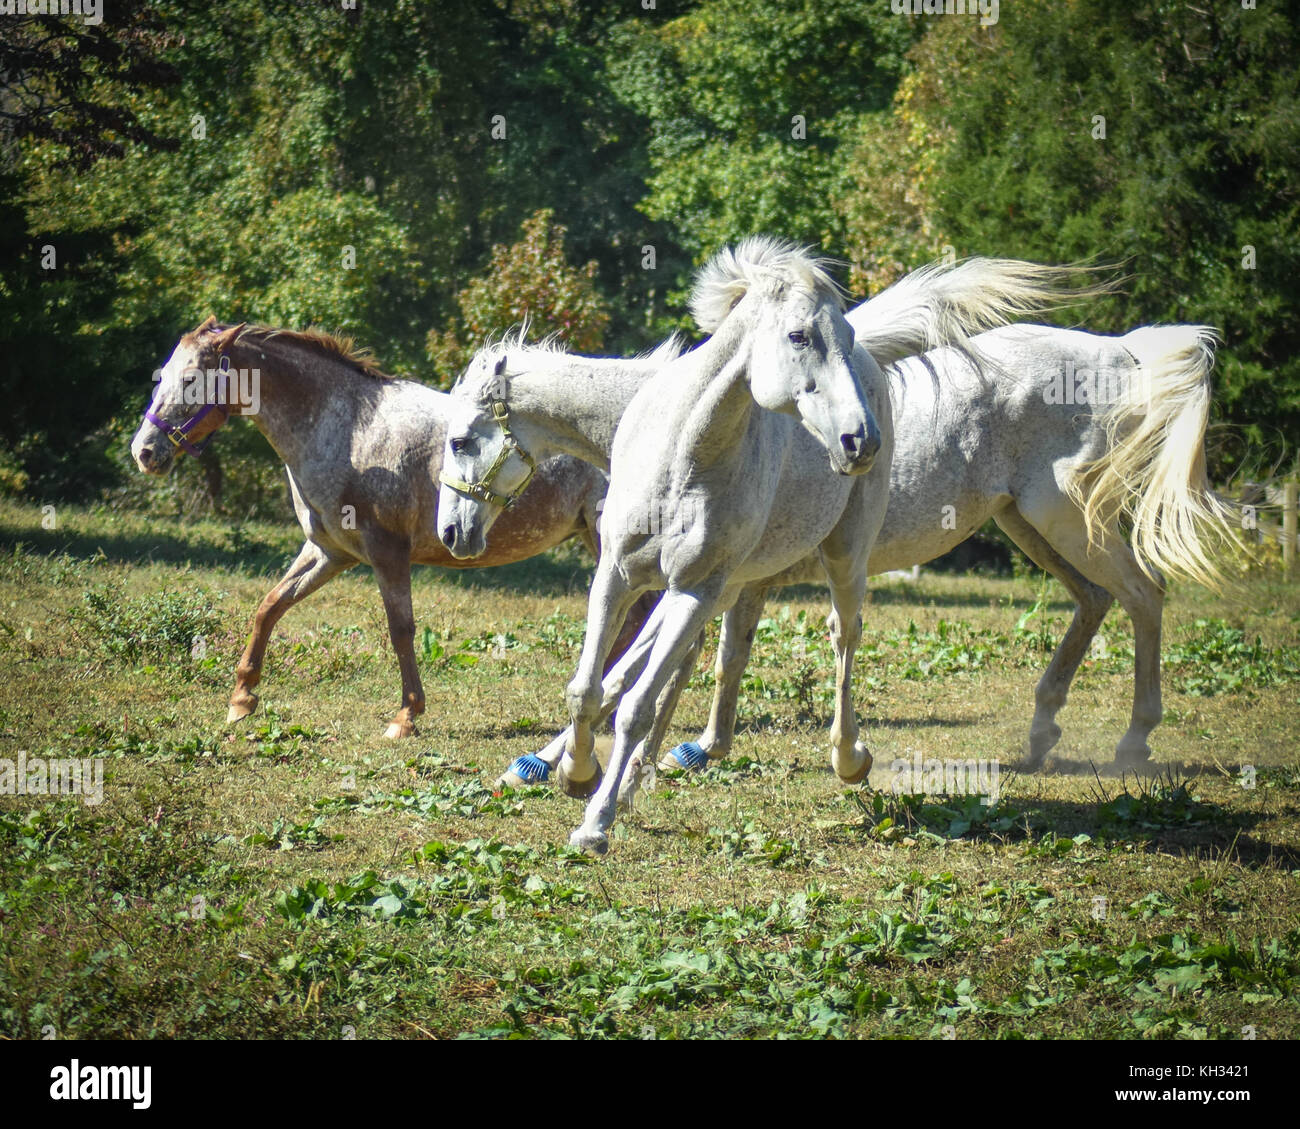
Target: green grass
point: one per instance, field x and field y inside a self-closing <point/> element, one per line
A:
<point x="296" y="875"/>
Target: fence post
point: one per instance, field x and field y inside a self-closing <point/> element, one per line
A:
<point x="1290" y="493"/>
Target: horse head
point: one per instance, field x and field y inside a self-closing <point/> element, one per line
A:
<point x="801" y="360"/>
<point x="484" y="468"/>
<point x="184" y="412"/>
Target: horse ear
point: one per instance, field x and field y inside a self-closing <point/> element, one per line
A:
<point x="227" y="337"/>
<point x="207" y="323"/>
<point x="501" y="366"/>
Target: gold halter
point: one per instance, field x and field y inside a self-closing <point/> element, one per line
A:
<point x="481" y="490"/>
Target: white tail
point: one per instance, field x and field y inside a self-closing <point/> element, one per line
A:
<point x="943" y="305"/>
<point x="1153" y="473"/>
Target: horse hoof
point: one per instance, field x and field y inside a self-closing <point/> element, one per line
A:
<point x="687" y="755"/>
<point x="1133" y="760"/>
<point x="242" y="709"/>
<point x="523" y="771"/>
<point x="1040" y="744"/>
<point x="578" y="789"/>
<point x="398" y="729"/>
<point x="594" y="843"/>
<point x="861" y="773"/>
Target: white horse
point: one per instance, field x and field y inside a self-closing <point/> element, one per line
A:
<point x="710" y="491"/>
<point x="1057" y="435"/>
<point x="560" y="402"/>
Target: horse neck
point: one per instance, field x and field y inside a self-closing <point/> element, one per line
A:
<point x="574" y="406"/>
<point x="295" y="385"/>
<point x="722" y="404"/>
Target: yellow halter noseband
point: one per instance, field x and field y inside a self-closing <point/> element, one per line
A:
<point x="481" y="490"/>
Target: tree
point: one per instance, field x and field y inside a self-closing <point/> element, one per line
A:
<point x="65" y="92"/>
<point x="530" y="281"/>
<point x="1162" y="135"/>
<point x="748" y="106"/>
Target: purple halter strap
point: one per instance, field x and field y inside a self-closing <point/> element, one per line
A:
<point x="179" y="435"/>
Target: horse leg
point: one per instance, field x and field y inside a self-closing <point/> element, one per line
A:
<point x="310" y="569"/>
<point x="738" y="624"/>
<point x="641" y="610"/>
<point x="665" y="707"/>
<point x="628" y="665"/>
<point x="738" y="627"/>
<point x="610" y="600"/>
<point x="392" y="565"/>
<point x="849" y="757"/>
<point x="589" y="531"/>
<point x="1112" y="566"/>
<point x="1091" y="605"/>
<point x="683" y="617"/>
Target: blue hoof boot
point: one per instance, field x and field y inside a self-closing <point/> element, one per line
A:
<point x="687" y="755"/>
<point x="525" y="770"/>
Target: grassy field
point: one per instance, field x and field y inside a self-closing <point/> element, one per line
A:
<point x="296" y="875"/>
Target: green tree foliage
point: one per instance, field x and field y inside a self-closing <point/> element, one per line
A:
<point x="57" y="390"/>
<point x="530" y="281"/>
<point x="747" y="106"/>
<point x="422" y="173"/>
<point x="1161" y="134"/>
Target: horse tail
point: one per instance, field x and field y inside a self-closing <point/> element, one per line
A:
<point x="940" y="304"/>
<point x="1153" y="472"/>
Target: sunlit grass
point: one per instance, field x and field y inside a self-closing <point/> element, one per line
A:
<point x="296" y="874"/>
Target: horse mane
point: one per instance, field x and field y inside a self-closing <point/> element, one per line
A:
<point x="514" y="341"/>
<point x="726" y="278"/>
<point x="330" y="345"/>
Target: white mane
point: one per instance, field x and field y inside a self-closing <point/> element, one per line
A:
<point x="727" y="277"/>
<point x="548" y="353"/>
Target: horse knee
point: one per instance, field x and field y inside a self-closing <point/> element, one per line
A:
<point x="635" y="717"/>
<point x="583" y="701"/>
<point x="1148" y="716"/>
<point x="844" y="634"/>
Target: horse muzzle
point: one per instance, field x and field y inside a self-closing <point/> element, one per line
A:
<point x="857" y="450"/>
<point x="460" y="545"/>
<point x="155" y="460"/>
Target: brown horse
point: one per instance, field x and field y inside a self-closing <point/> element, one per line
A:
<point x="363" y="452"/>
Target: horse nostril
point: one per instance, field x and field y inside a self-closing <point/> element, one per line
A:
<point x="851" y="445"/>
<point x="449" y="536"/>
<point x="146" y="456"/>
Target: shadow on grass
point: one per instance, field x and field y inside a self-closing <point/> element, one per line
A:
<point x="1123" y="812"/>
<point x="263" y="549"/>
<point x="563" y="571"/>
<point x="913" y="595"/>
<point x="231" y="548"/>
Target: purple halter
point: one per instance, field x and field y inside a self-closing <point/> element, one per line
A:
<point x="179" y="436"/>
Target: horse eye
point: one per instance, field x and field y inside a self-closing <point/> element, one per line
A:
<point x="799" y="338"/>
<point x="458" y="446"/>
